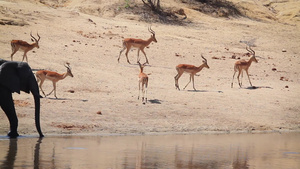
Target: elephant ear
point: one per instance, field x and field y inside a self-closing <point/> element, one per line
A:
<point x="25" y="74"/>
<point x="14" y="76"/>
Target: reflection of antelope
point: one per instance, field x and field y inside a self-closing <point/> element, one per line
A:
<point x="17" y="45"/>
<point x="191" y="69"/>
<point x="241" y="65"/>
<point x="143" y="80"/>
<point x="43" y="75"/>
<point x="128" y="43"/>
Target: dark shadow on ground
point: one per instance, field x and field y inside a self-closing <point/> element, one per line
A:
<point x="258" y="87"/>
<point x="36" y="69"/>
<point x="53" y="98"/>
<point x="155" y="101"/>
<point x="204" y="91"/>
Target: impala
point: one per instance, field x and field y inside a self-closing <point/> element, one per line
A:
<point x="143" y="80"/>
<point x="241" y="65"/>
<point x="43" y="75"/>
<point x="17" y="45"/>
<point x="128" y="43"/>
<point x="191" y="69"/>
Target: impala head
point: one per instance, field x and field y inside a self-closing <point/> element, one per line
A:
<point x="36" y="44"/>
<point x="67" y="65"/>
<point x="153" y="34"/>
<point x="141" y="66"/>
<point x="252" y="52"/>
<point x="205" y="62"/>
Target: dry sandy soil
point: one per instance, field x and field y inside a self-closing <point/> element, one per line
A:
<point x="88" y="34"/>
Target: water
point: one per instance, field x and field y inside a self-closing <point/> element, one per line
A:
<point x="234" y="151"/>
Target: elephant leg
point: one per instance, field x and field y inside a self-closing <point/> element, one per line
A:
<point x="7" y="105"/>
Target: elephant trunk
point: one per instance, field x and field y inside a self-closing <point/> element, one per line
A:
<point x="37" y="114"/>
<point x="34" y="89"/>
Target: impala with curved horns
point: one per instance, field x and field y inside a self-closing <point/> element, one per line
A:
<point x="128" y="43"/>
<point x="43" y="75"/>
<point x="17" y="45"/>
<point x="241" y="65"/>
<point x="190" y="69"/>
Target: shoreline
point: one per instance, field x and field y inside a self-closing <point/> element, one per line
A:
<point x="91" y="134"/>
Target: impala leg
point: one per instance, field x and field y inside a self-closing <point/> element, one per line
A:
<point x="146" y="88"/>
<point x="127" y="55"/>
<point x="176" y="80"/>
<point x="50" y="92"/>
<point x="138" y="56"/>
<point x="192" y="76"/>
<point x="238" y="77"/>
<point x="188" y="82"/>
<point x="145" y="55"/>
<point x="139" y="90"/>
<point x="54" y="85"/>
<point x="233" y="79"/>
<point x="11" y="56"/>
<point x="121" y="51"/>
<point x="24" y="56"/>
<point x="248" y="77"/>
<point x="143" y="92"/>
<point x="52" y="89"/>
<point x="242" y="75"/>
<point x="40" y="85"/>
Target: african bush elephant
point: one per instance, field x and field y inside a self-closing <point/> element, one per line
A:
<point x="16" y="77"/>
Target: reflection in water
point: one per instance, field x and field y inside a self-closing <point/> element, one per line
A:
<point x="240" y="164"/>
<point x="193" y="162"/>
<point x="37" y="154"/>
<point x="141" y="152"/>
<point x="10" y="159"/>
<point x="11" y="154"/>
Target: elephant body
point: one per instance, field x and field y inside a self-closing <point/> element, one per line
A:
<point x="16" y="77"/>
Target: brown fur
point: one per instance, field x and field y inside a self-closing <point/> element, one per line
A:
<point x="17" y="45"/>
<point x="241" y="65"/>
<point x="42" y="75"/>
<point x="128" y="43"/>
<point x="143" y="81"/>
<point x="190" y="69"/>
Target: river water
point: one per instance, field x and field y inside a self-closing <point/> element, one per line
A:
<point x="224" y="151"/>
